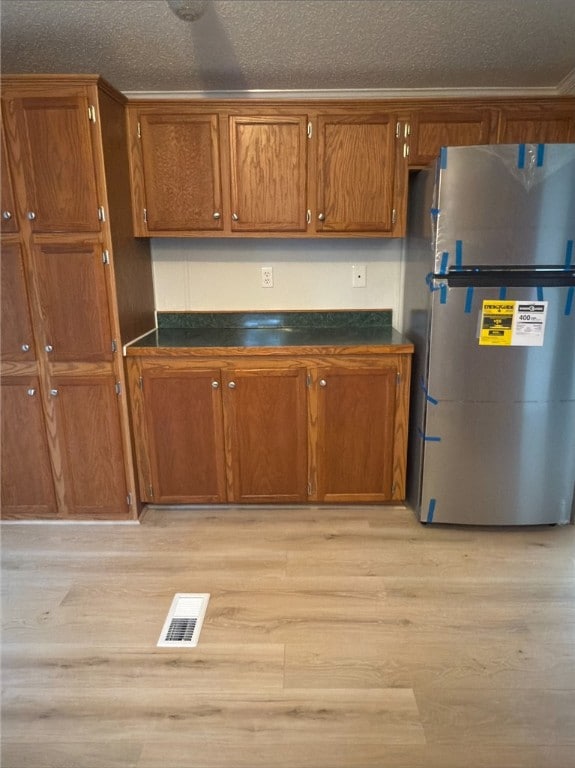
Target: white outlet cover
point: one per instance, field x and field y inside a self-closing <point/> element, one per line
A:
<point x="359" y="276"/>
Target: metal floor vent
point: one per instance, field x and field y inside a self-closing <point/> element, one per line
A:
<point x="184" y="621"/>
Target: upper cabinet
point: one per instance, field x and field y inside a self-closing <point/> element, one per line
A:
<point x="356" y="180"/>
<point x="176" y="180"/>
<point x="455" y="126"/>
<point x="545" y="123"/>
<point x="51" y="137"/>
<point x="9" y="222"/>
<point x="268" y="168"/>
<point x="307" y="168"/>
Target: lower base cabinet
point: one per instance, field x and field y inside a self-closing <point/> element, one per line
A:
<point x="287" y="430"/>
<point x="27" y="487"/>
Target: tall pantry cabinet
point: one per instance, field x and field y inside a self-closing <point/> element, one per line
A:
<point x="76" y="286"/>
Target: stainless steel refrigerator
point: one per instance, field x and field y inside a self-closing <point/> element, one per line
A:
<point x="489" y="303"/>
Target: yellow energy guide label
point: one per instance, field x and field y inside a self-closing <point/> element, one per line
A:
<point x="512" y="323"/>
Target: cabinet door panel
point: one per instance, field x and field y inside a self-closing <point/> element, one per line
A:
<point x="58" y="162"/>
<point x="73" y="301"/>
<point x="184" y="423"/>
<point x="356" y="161"/>
<point x="268" y="173"/>
<point x="266" y="425"/>
<point x="433" y="129"/>
<point x="544" y="125"/>
<point x="7" y="204"/>
<point x="181" y="166"/>
<point x="356" y="415"/>
<point x="90" y="445"/>
<point x="15" y="323"/>
<point x="27" y="488"/>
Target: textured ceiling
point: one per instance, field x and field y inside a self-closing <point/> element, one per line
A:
<point x="140" y="45"/>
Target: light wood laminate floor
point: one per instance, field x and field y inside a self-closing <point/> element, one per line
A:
<point x="334" y="638"/>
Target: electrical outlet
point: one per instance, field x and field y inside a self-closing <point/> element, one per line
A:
<point x="267" y="277"/>
<point x="359" y="276"/>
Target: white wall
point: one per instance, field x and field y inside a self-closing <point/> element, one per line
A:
<point x="212" y="275"/>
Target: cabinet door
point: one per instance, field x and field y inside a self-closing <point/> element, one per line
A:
<point x="7" y="204"/>
<point x="546" y="124"/>
<point x="16" y="341"/>
<point x="90" y="450"/>
<point x="27" y="488"/>
<point x="355" y="433"/>
<point x="268" y="173"/>
<point x="73" y="299"/>
<point x="356" y="173"/>
<point x="51" y="136"/>
<point x="181" y="170"/>
<point x="182" y="409"/>
<point x="266" y="434"/>
<point x="429" y="130"/>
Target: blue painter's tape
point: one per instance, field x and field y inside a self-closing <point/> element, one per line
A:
<point x="469" y="300"/>
<point x="428" y="438"/>
<point x="444" y="262"/>
<point x="540" y="154"/>
<point x="502" y="293"/>
<point x="443" y="294"/>
<point x="443" y="158"/>
<point x="430" y="284"/>
<point x="428" y="397"/>
<point x="569" y="254"/>
<point x="569" y="300"/>
<point x="521" y="156"/>
<point x="459" y="254"/>
<point x="431" y="510"/>
<point x="539" y="293"/>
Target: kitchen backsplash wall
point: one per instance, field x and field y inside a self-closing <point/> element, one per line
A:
<point x="217" y="275"/>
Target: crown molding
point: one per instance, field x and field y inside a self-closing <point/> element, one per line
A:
<point x="566" y="87"/>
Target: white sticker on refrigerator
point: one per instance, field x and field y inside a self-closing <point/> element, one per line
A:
<point x="512" y="323"/>
<point x="528" y="329"/>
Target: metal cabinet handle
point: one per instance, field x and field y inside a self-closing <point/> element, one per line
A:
<point x="217" y="215"/>
<point x="215" y="384"/>
<point x="321" y="216"/>
<point x="232" y="384"/>
<point x="25" y="347"/>
<point x="323" y="383"/>
<point x="31" y="215"/>
<point x="49" y="348"/>
<point x="6" y="215"/>
<point x="31" y="392"/>
<point x="235" y="217"/>
<point x="53" y="393"/>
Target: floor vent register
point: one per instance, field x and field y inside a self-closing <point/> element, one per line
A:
<point x="184" y="621"/>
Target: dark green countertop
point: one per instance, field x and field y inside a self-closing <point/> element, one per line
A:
<point x="303" y="332"/>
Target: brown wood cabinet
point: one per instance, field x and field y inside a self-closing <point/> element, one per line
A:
<point x="286" y="171"/>
<point x="16" y="337"/>
<point x="356" y="432"/>
<point x="430" y="129"/>
<point x="287" y="429"/>
<point x="461" y="123"/>
<point x="266" y="433"/>
<point x="176" y="172"/>
<point x="8" y="221"/>
<point x="66" y="146"/>
<point x="27" y="488"/>
<point x="541" y="123"/>
<point x="356" y="179"/>
<point x="268" y="167"/>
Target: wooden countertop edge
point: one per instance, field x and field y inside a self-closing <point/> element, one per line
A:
<point x="357" y="349"/>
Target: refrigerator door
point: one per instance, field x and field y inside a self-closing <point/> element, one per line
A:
<point x="504" y="205"/>
<point x="497" y="433"/>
